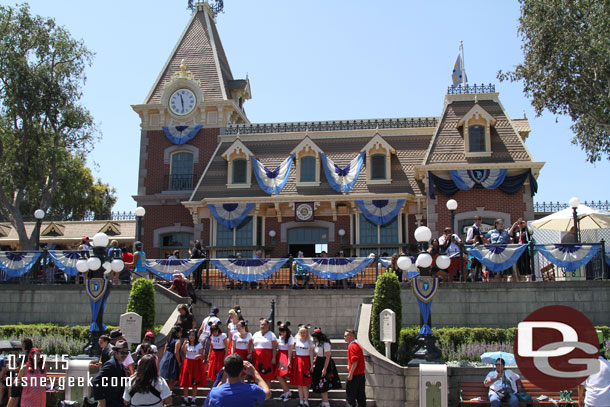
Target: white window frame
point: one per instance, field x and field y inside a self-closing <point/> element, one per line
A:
<point x="307" y="148"/>
<point x="477" y="116"/>
<point x="377" y="145"/>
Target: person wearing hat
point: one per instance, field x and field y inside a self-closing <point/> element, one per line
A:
<point x="325" y="375"/>
<point x="115" y="336"/>
<point x="595" y="391"/>
<point x="204" y="331"/>
<point x="149" y="338"/>
<point x="111" y="373"/>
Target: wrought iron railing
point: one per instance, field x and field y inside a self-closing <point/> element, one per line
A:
<point x="548" y="207"/>
<point x="470" y="89"/>
<point x="179" y="182"/>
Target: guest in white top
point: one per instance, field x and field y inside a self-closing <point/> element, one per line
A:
<point x="192" y="374"/>
<point x="219" y="351"/>
<point x="242" y="341"/>
<point x="146" y="388"/>
<point x="265" y="349"/>
<point x="282" y="370"/>
<point x="232" y="327"/>
<point x="499" y="379"/>
<point x="302" y="365"/>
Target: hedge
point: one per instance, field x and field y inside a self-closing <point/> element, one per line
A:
<point x="142" y="302"/>
<point x="387" y="295"/>
<point x="80" y="332"/>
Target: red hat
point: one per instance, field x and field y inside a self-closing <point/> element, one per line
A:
<point x="85" y="238"/>
<point x="149" y="334"/>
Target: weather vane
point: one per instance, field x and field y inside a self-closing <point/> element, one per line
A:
<point x="217" y="6"/>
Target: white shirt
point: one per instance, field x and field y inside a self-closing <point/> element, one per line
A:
<point x="218" y="341"/>
<point x="242" y="343"/>
<point x="598" y="386"/>
<point x="302" y="348"/>
<point x="192" y="351"/>
<point x="321" y="350"/>
<point x="148" y="399"/>
<point x="232" y="329"/>
<point x="207" y="325"/>
<point x="285" y="346"/>
<point x="497" y="385"/>
<point x="152" y="347"/>
<point x="128" y="360"/>
<point x="264" y="342"/>
<point x="453" y="248"/>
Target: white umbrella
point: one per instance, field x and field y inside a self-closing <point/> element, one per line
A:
<point x="588" y="218"/>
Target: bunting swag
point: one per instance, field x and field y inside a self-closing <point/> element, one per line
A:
<point x="380" y="211"/>
<point x="568" y="256"/>
<point x="165" y="268"/>
<point x="489" y="179"/>
<point x="65" y="260"/>
<point x="498" y="257"/>
<point x="248" y="269"/>
<point x="424" y="289"/>
<point x="16" y="264"/>
<point x="98" y="290"/>
<point x="342" y="179"/>
<point x="335" y="268"/>
<point x="272" y="181"/>
<point x="446" y="186"/>
<point x="230" y="215"/>
<point x="181" y="134"/>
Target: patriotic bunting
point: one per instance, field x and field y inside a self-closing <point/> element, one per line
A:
<point x="380" y="211"/>
<point x="98" y="290"/>
<point x="230" y="215"/>
<point x="16" y="264"/>
<point x="342" y="179"/>
<point x="65" y="260"/>
<point x="424" y="289"/>
<point x="165" y="268"/>
<point x="272" y="181"/>
<point x="489" y="179"/>
<point x="498" y="257"/>
<point x="568" y="256"/>
<point x="181" y="134"/>
<point x="335" y="268"/>
<point x="248" y="269"/>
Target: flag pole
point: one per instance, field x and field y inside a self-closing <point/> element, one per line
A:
<point x="465" y="78"/>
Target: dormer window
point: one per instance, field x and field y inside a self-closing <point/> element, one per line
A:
<point x="477" y="124"/>
<point x="378" y="160"/>
<point x="476" y="142"/>
<point x="308" y="169"/>
<point x="307" y="155"/>
<point x="378" y="170"/>
<point x="239" y="174"/>
<point x="240" y="171"/>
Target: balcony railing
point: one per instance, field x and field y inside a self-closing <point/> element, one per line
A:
<point x="179" y="182"/>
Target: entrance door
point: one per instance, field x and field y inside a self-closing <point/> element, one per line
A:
<point x="309" y="250"/>
<point x="306" y="239"/>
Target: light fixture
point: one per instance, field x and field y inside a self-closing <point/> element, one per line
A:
<point x="107" y="266"/>
<point x="404" y="262"/>
<point x="272" y="233"/>
<point x="100" y="240"/>
<point x="424" y="260"/>
<point x="443" y="262"/>
<point x="81" y="266"/>
<point x="341" y="232"/>
<point x="423" y="234"/>
<point x="574" y="202"/>
<point x="452" y="204"/>
<point x="39" y="214"/>
<point x="94" y="263"/>
<point x="140" y="211"/>
<point x="117" y="265"/>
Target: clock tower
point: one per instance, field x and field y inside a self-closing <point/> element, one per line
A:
<point x="192" y="99"/>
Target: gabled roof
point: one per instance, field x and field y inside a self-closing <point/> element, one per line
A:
<point x="377" y="140"/>
<point x="203" y="54"/>
<point x="306" y="144"/>
<point x="476" y="112"/>
<point x="54" y="229"/>
<point x="237" y="145"/>
<point x="111" y="228"/>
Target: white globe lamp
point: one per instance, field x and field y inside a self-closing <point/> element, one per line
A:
<point x="424" y="260"/>
<point x="423" y="234"/>
<point x="94" y="263"/>
<point x="452" y="204"/>
<point x="117" y="265"/>
<point x="574" y="202"/>
<point x="81" y="266"/>
<point x="404" y="262"/>
<point x="100" y="240"/>
<point x="443" y="262"/>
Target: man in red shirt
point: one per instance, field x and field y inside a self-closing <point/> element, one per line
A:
<point x="354" y="387"/>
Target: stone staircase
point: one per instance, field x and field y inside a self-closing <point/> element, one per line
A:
<point x="336" y="397"/>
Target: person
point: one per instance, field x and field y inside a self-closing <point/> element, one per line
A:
<point x="302" y="365"/>
<point x="236" y="393"/>
<point x="179" y="285"/>
<point x="595" y="390"/>
<point x="522" y="234"/>
<point x="204" y="331"/>
<point x="197" y="252"/>
<point x="185" y="320"/>
<point x="34" y="392"/>
<point x="139" y="261"/>
<point x="242" y="341"/>
<point x="3" y="376"/>
<point x="474" y="237"/>
<point x="175" y="255"/>
<point x="450" y="245"/>
<point x="355" y="384"/>
<point x="169" y="367"/>
<point x="106" y="354"/>
<point x="127" y="257"/>
<point x="499" y="235"/>
<point x="111" y="396"/>
<point x="116" y="336"/>
<point x="285" y="345"/>
<point x="149" y="339"/>
<point x="265" y="351"/>
<point x="325" y="376"/>
<point x="146" y="388"/>
<point x="232" y="328"/>
<point x="500" y="379"/>
<point x="434" y="249"/>
<point x="393" y="267"/>
<point x="114" y="247"/>
<point x="15" y="393"/>
<point x="300" y="276"/>
<point x="192" y="374"/>
<point x="85" y="245"/>
<point x="218" y="341"/>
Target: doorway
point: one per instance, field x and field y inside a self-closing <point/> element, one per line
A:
<point x="310" y="240"/>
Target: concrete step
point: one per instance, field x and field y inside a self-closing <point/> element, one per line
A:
<point x="314" y="401"/>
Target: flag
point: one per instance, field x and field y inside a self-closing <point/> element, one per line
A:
<point x="459" y="73"/>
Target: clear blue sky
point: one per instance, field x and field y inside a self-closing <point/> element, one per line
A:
<point x="332" y="60"/>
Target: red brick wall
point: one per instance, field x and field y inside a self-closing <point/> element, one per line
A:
<point x="158" y="216"/>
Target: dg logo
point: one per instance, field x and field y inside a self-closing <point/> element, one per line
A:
<point x="556" y="348"/>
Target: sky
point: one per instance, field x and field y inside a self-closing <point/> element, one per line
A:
<point x="313" y="61"/>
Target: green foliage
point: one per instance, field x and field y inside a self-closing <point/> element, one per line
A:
<point x="387" y="295"/>
<point x="142" y="302"/>
<point x="566" y="69"/>
<point x="76" y="332"/>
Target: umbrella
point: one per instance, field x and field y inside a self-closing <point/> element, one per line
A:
<point x="491" y="357"/>
<point x="588" y="218"/>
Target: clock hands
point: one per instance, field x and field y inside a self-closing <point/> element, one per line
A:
<point x="182" y="101"/>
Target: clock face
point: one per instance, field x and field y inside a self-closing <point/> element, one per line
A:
<point x="182" y="102"/>
<point x="304" y="212"/>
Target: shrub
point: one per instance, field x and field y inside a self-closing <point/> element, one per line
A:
<point x="142" y="302"/>
<point x="387" y="295"/>
<point x="76" y="332"/>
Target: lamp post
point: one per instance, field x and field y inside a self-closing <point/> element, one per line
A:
<point x="574" y="203"/>
<point x="39" y="215"/>
<point x="272" y="236"/>
<point x="341" y="233"/>
<point x="140" y="212"/>
<point x="452" y="206"/>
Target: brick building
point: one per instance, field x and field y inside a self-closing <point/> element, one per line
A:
<point x="202" y="163"/>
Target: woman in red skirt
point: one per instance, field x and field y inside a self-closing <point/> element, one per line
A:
<point x="218" y="351"/>
<point x="265" y="349"/>
<point x="192" y="374"/>
<point x="285" y="345"/>
<point x="232" y="328"/>
<point x="302" y="365"/>
<point x="242" y="341"/>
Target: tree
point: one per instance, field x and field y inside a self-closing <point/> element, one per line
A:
<point x="142" y="302"/>
<point x="44" y="130"/>
<point x="566" y="67"/>
<point x="387" y="295"/>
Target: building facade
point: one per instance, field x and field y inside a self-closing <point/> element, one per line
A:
<point x="359" y="186"/>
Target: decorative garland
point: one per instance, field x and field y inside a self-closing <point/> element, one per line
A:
<point x="342" y="179"/>
<point x="230" y="215"/>
<point x="181" y="134"/>
<point x="272" y="181"/>
<point x="380" y="211"/>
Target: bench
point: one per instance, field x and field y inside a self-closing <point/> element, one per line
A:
<point x="472" y="389"/>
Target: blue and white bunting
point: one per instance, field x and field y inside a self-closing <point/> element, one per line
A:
<point x="380" y="211"/>
<point x="335" y="268"/>
<point x="165" y="268"/>
<point x="181" y="134"/>
<point x="65" y="260"/>
<point x="342" y="179"/>
<point x="608" y="257"/>
<point x="272" y="181"/>
<point x="498" y="257"/>
<point x="489" y="179"/>
<point x="16" y="264"/>
<point x="568" y="256"/>
<point x="248" y="269"/>
<point x="230" y="215"/>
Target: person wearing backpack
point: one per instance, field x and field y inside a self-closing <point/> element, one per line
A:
<point x="146" y="388"/>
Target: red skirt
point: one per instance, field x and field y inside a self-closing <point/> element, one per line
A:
<point x="230" y="347"/>
<point x="242" y="352"/>
<point x="262" y="363"/>
<point x="282" y="368"/>
<point x="192" y="374"/>
<point x="301" y="371"/>
<point x="217" y="361"/>
<point x="454" y="266"/>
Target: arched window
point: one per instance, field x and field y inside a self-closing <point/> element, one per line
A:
<point x="240" y="171"/>
<point x="181" y="172"/>
<point x="476" y="139"/>
<point x="378" y="170"/>
<point x="308" y="169"/>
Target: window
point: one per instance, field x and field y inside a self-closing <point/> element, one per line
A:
<point x="476" y="139"/>
<point x="368" y="231"/>
<point x="240" y="171"/>
<point x="181" y="173"/>
<point x="224" y="235"/>
<point x="378" y="166"/>
<point x="389" y="231"/>
<point x="308" y="169"/>
<point x="172" y="240"/>
<point x="239" y="236"/>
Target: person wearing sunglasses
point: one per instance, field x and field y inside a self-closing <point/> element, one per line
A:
<point x="112" y="372"/>
<point x="503" y="385"/>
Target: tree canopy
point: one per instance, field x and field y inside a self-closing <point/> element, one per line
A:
<point x="566" y="67"/>
<point x="45" y="132"/>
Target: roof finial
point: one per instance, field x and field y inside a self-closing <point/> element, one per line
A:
<point x="476" y="99"/>
<point x="182" y="66"/>
<point x="524" y="116"/>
